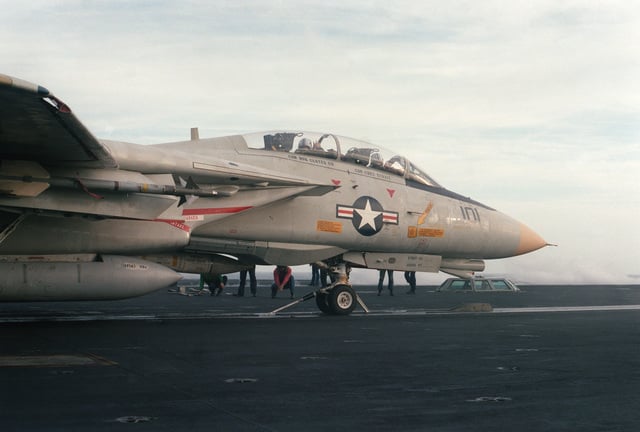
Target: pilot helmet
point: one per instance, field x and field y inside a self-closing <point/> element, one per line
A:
<point x="304" y="143"/>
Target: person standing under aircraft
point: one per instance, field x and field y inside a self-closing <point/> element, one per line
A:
<point x="282" y="279"/>
<point x="324" y="275"/>
<point x="253" y="283"/>
<point x="410" y="277"/>
<point x="381" y="281"/>
<point x="201" y="285"/>
<point x="315" y="275"/>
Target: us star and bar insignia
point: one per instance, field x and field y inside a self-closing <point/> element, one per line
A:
<point x="367" y="215"/>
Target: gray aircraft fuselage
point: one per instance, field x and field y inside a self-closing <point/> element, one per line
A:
<point x="339" y="205"/>
<point x="72" y="203"/>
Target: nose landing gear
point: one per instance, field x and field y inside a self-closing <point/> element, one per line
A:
<point x="337" y="299"/>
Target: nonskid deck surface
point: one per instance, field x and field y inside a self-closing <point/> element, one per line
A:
<point x="192" y="304"/>
<point x="547" y="358"/>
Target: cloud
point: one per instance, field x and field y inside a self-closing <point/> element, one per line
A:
<point x="531" y="108"/>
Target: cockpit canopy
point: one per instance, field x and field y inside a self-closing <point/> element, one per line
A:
<point x="340" y="148"/>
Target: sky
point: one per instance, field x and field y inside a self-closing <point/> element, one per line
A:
<point x="531" y="107"/>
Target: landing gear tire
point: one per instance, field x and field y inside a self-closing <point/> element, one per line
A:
<point x="322" y="301"/>
<point x="341" y="300"/>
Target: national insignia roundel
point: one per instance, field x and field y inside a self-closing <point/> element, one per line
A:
<point x="367" y="215"/>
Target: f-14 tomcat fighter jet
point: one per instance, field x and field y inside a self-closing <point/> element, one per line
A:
<point x="87" y="219"/>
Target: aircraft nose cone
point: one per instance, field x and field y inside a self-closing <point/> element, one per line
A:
<point x="529" y="241"/>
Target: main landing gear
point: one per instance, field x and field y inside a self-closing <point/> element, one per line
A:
<point x="337" y="299"/>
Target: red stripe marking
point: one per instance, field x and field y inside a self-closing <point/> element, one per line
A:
<point x="175" y="223"/>
<point x="210" y="211"/>
<point x="390" y="217"/>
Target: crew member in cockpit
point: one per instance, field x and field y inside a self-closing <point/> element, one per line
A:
<point x="395" y="165"/>
<point x="304" y="144"/>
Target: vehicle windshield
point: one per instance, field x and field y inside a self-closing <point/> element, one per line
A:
<point x="341" y="148"/>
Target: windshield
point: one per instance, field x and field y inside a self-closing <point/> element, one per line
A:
<point x="342" y="148"/>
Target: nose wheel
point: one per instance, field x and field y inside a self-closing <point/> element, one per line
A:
<point x="334" y="300"/>
<point x="322" y="301"/>
<point x="337" y="299"/>
<point x="342" y="300"/>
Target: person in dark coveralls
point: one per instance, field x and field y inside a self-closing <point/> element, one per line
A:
<point x="381" y="281"/>
<point x="410" y="277"/>
<point x="215" y="282"/>
<point x="315" y="275"/>
<point x="253" y="283"/>
<point x="282" y="279"/>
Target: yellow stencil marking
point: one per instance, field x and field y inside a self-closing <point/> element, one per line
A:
<point x="425" y="213"/>
<point x="413" y="232"/>
<point x="431" y="232"/>
<point x="329" y="226"/>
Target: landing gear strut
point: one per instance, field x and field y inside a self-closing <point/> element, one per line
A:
<point x="339" y="298"/>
